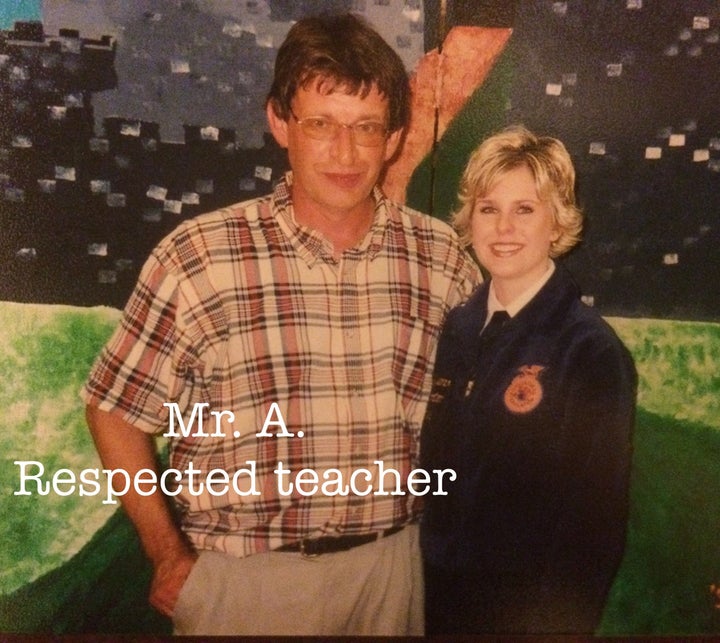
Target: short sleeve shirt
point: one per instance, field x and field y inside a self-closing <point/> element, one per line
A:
<point x="242" y="315"/>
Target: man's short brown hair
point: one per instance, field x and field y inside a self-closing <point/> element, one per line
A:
<point x="339" y="51"/>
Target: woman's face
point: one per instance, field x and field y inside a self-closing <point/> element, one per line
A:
<point x="512" y="229"/>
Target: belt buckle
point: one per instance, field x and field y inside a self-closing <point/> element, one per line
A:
<point x="306" y="554"/>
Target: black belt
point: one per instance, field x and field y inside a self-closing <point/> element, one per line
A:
<point x="310" y="547"/>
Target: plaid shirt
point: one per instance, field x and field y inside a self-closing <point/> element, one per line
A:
<point x="242" y="308"/>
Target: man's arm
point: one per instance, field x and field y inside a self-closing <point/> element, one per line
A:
<point x="123" y="446"/>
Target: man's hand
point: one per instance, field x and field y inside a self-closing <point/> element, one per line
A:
<point x="123" y="446"/>
<point x="169" y="576"/>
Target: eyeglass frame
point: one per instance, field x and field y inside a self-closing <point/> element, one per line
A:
<point x="336" y="125"/>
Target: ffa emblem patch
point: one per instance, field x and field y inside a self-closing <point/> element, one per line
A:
<point x="525" y="391"/>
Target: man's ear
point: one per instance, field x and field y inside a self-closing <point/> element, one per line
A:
<point x="278" y="126"/>
<point x="392" y="143"/>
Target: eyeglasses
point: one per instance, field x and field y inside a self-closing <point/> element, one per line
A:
<point x="365" y="133"/>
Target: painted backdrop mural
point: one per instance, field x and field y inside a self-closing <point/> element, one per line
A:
<point x="118" y="120"/>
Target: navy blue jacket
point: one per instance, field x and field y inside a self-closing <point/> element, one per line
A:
<point x="537" y="423"/>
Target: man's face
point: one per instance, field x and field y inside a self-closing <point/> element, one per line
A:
<point x="333" y="178"/>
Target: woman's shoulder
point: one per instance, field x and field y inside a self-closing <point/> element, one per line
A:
<point x="592" y="339"/>
<point x="471" y="310"/>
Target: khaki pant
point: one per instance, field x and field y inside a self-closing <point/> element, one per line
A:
<point x="375" y="589"/>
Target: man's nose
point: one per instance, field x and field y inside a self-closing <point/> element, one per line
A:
<point x="343" y="146"/>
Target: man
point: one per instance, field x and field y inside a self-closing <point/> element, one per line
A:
<point x="314" y="311"/>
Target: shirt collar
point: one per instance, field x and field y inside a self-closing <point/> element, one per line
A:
<point x="310" y="244"/>
<point x="517" y="304"/>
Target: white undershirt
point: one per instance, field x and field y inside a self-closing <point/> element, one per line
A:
<point x="517" y="304"/>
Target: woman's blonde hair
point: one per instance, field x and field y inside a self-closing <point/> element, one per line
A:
<point x="550" y="164"/>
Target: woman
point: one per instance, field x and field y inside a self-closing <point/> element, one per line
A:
<point x="534" y="413"/>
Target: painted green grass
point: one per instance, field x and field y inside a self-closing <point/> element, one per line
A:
<point x="678" y="366"/>
<point x="102" y="589"/>
<point x="672" y="556"/>
<point x="71" y="565"/>
<point x="45" y="354"/>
